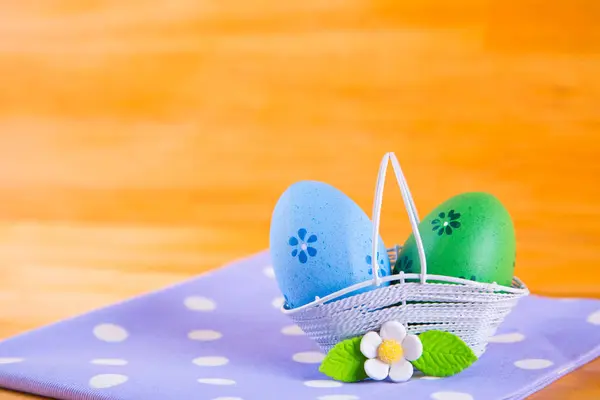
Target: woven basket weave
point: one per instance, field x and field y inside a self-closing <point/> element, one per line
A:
<point x="471" y="310"/>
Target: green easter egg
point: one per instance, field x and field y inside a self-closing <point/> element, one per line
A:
<point x="469" y="236"/>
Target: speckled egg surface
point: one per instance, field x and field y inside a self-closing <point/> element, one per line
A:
<point x="469" y="236"/>
<point x="320" y="242"/>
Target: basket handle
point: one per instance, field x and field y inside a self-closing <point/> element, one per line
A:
<point x="410" y="208"/>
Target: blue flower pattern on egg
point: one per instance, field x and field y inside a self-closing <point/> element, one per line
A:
<point x="318" y="239"/>
<point x="380" y="272"/>
<point x="303" y="249"/>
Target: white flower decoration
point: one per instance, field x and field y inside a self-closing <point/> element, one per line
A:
<point x="390" y="351"/>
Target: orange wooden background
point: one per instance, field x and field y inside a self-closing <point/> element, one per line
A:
<point x="143" y="142"/>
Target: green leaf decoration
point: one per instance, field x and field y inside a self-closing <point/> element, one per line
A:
<point x="444" y="354"/>
<point x="345" y="362"/>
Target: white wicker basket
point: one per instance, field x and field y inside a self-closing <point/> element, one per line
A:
<point x="471" y="310"/>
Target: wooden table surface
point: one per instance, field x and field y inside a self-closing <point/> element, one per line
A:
<point x="145" y="142"/>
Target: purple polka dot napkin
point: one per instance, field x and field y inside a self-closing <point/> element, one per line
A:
<point x="221" y="336"/>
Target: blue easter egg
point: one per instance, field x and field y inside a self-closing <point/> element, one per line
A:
<point x="320" y="242"/>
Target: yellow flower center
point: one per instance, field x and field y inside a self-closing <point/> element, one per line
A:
<point x="389" y="351"/>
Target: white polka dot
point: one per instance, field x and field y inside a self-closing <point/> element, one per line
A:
<point x="594" y="318"/>
<point x="309" y="357"/>
<point x="533" y="363"/>
<point x="451" y="396"/>
<point x="216" y="381"/>
<point x="210" y="361"/>
<point x="507" y="338"/>
<point x="107" y="380"/>
<point x="199" y="303"/>
<point x="338" y="397"/>
<point x="110" y="332"/>
<point x="292" y="330"/>
<point x="278" y="302"/>
<point x="109" y="361"/>
<point x="419" y="375"/>
<point x="204" y="335"/>
<point x="10" y="360"/>
<point x="323" y="384"/>
<point x="269" y="272"/>
<point x="228" y="398"/>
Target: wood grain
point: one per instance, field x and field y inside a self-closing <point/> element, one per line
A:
<point x="144" y="142"/>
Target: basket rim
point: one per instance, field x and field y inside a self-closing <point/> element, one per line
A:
<point x="520" y="289"/>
